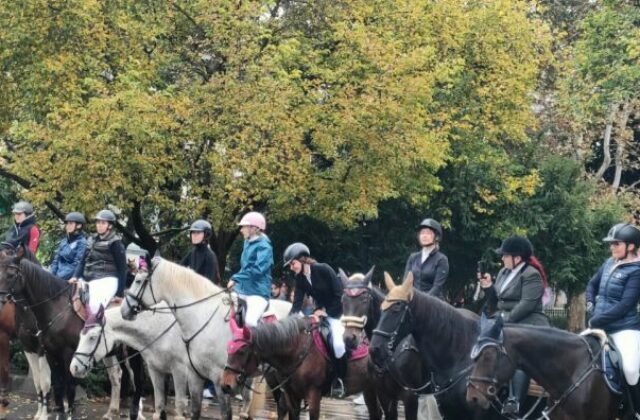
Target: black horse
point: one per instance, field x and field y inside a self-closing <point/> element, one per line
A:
<point x="444" y="336"/>
<point x="404" y="377"/>
<point x="567" y="365"/>
<point x="58" y="324"/>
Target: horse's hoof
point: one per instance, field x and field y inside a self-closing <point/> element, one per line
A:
<point x="245" y="416"/>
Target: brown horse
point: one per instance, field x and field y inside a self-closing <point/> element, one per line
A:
<point x="567" y="365"/>
<point x="289" y="347"/>
<point x="404" y="377"/>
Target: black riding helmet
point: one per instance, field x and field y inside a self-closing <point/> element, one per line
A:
<point x="516" y="246"/>
<point x="295" y="251"/>
<point x="624" y="232"/>
<point x="75" y="217"/>
<point x="433" y="225"/>
<point x="105" y="215"/>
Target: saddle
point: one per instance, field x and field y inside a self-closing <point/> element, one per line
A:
<point x="80" y="299"/>
<point x="323" y="340"/>
<point x="610" y="361"/>
<point x="268" y="316"/>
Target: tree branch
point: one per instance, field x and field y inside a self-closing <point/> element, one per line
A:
<point x="606" y="162"/>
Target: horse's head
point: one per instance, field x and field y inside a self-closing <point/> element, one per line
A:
<point x="10" y="279"/>
<point x="92" y="347"/>
<point x="492" y="366"/>
<point x="356" y="305"/>
<point x="395" y="321"/>
<point x="140" y="295"/>
<point x="242" y="359"/>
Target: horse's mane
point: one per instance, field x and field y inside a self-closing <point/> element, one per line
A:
<point x="278" y="335"/>
<point x="377" y="294"/>
<point x="458" y="329"/>
<point x="556" y="335"/>
<point x="179" y="277"/>
<point x="44" y="282"/>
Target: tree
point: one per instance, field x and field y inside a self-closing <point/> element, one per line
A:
<point x="171" y="110"/>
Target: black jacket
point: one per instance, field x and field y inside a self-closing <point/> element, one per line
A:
<point x="429" y="276"/>
<point x="325" y="289"/>
<point x="203" y="261"/>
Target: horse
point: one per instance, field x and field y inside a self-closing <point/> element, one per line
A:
<point x="404" y="378"/>
<point x="152" y="334"/>
<point x="444" y="337"/>
<point x="202" y="310"/>
<point x="290" y="347"/>
<point x="57" y="324"/>
<point x="566" y="365"/>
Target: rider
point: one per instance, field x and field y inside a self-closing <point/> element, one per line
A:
<point x="104" y="265"/>
<point x="429" y="266"/>
<point x="319" y="281"/>
<point x="25" y="231"/>
<point x="71" y="248"/>
<point x="201" y="258"/>
<point x="253" y="281"/>
<point x="612" y="297"/>
<point x="517" y="297"/>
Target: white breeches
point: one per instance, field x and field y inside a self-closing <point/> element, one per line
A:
<point x="255" y="308"/>
<point x="101" y="291"/>
<point x="628" y="343"/>
<point x="337" y="336"/>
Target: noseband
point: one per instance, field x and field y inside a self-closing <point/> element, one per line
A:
<point x="352" y="293"/>
<point x="90" y="357"/>
<point x="396" y="335"/>
<point x="493" y="384"/>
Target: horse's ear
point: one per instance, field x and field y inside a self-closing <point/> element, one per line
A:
<point x="388" y="281"/>
<point x="407" y="285"/>
<point x="20" y="252"/>
<point x="496" y="330"/>
<point x="246" y="333"/>
<point x="100" y="314"/>
<point x="368" y="276"/>
<point x="484" y="322"/>
<point x="343" y="277"/>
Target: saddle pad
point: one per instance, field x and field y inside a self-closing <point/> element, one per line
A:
<point x="611" y="371"/>
<point x="360" y="352"/>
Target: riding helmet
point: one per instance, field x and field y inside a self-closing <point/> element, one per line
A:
<point x="295" y="251"/>
<point x="105" y="215"/>
<point x="22" y="207"/>
<point x="75" y="217"/>
<point x="201" y="225"/>
<point x="624" y="232"/>
<point x="516" y="246"/>
<point x="433" y="225"/>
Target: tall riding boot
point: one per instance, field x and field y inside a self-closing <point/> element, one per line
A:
<point x="340" y="366"/>
<point x="634" y="395"/>
<point x="517" y="393"/>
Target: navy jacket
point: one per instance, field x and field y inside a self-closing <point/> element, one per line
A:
<point x="68" y="256"/>
<point x="614" y="290"/>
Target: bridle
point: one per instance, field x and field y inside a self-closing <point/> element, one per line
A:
<point x="492" y="381"/>
<point x="401" y="331"/>
<point x="138" y="303"/>
<point x="354" y="292"/>
<point x="90" y="357"/>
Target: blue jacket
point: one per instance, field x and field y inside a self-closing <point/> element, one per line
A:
<point x="615" y="293"/>
<point x="68" y="256"/>
<point x="256" y="262"/>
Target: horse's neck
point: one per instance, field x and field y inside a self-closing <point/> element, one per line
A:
<point x="134" y="333"/>
<point x="44" y="305"/>
<point x="552" y="363"/>
<point x="373" y="315"/>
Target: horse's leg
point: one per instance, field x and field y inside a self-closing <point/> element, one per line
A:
<point x="159" y="402"/>
<point x="136" y="369"/>
<point x="293" y="405"/>
<point x="196" y="384"/>
<point x="5" y="378"/>
<point x="115" y="377"/>
<point x="34" y="367"/>
<point x="248" y="398"/>
<point x="278" y="396"/>
<point x="371" y="400"/>
<point x="223" y="398"/>
<point x="410" y="406"/>
<point x="313" y="398"/>
<point x="71" y="383"/>
<point x="180" y="388"/>
<point x="57" y="379"/>
<point x="45" y="385"/>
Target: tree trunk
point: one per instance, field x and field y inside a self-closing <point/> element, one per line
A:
<point x="577" y="312"/>
<point x="621" y="141"/>
<point x="606" y="162"/>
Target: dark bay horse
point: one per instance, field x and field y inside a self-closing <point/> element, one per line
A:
<point x="360" y="315"/>
<point x="57" y="324"/>
<point x="567" y="365"/>
<point x="288" y="346"/>
<point x="444" y="336"/>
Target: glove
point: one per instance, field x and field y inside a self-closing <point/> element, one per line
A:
<point x="589" y="308"/>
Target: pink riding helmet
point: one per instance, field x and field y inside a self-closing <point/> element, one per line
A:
<point x="254" y="218"/>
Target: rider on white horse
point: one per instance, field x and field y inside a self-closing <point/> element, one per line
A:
<point x="253" y="281"/>
<point x="319" y="281"/>
<point x="104" y="265"/>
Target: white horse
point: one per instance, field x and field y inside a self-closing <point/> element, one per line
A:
<point x="156" y="337"/>
<point x="202" y="310"/>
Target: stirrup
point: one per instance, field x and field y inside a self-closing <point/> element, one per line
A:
<point x="511" y="406"/>
<point x="337" y="388"/>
